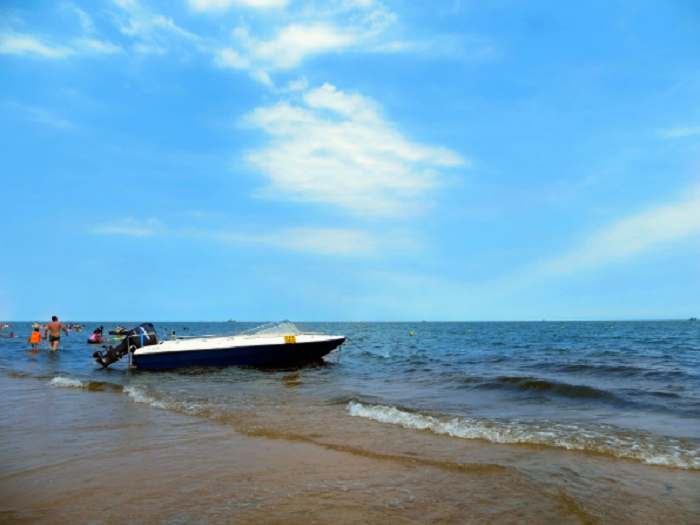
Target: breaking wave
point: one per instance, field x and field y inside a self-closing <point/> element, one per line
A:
<point x="139" y="396"/>
<point x="66" y="382"/>
<point x="93" y="386"/>
<point x="604" y="439"/>
<point x="191" y="408"/>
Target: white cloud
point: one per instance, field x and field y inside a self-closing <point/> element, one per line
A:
<point x="14" y="44"/>
<point x="681" y="132"/>
<point x="296" y="41"/>
<point x="89" y="45"/>
<point x="206" y="5"/>
<point x="127" y="4"/>
<point x="301" y="84"/>
<point x="320" y="241"/>
<point x="338" y="150"/>
<point x="313" y="28"/>
<point x="130" y="227"/>
<point x="628" y="237"/>
<point x="42" y="116"/>
<point x="147" y="49"/>
<point x="456" y="47"/>
<point x="359" y="3"/>
<point x="142" y="23"/>
<point x="396" y="47"/>
<point x="355" y="105"/>
<point x="154" y="32"/>
<point x="85" y="20"/>
<point x="291" y="45"/>
<point x="230" y="58"/>
<point x="339" y="26"/>
<point x="298" y="85"/>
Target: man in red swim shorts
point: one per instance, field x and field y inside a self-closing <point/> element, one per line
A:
<point x="55" y="327"/>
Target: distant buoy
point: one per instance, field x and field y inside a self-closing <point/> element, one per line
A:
<point x="470" y="330"/>
<point x="411" y="333"/>
<point x="562" y="327"/>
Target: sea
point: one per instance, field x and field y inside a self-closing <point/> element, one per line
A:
<point x="559" y="402"/>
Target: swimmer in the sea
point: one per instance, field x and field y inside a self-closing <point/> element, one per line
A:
<point x="55" y="327"/>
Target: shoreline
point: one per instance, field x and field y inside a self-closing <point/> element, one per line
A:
<point x="79" y="456"/>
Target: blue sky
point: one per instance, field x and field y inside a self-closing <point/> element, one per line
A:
<point x="357" y="160"/>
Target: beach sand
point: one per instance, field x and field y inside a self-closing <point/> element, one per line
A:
<point x="68" y="455"/>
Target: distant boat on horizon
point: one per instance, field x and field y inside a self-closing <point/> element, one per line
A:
<point x="230" y="321"/>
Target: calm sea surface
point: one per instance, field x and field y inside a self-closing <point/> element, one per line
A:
<point x="624" y="389"/>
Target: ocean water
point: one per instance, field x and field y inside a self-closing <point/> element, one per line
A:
<point x="628" y="390"/>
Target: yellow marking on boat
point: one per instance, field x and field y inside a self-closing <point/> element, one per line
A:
<point x="290" y="339"/>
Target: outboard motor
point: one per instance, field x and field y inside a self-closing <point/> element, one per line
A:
<point x="142" y="335"/>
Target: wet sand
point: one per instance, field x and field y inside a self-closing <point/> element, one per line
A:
<point x="77" y="456"/>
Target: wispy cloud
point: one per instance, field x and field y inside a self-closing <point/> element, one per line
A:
<point x="633" y="235"/>
<point x="291" y="45"/>
<point x="85" y="20"/>
<point x="152" y="31"/>
<point x="681" y="132"/>
<point x="319" y="241"/>
<point x="42" y="116"/>
<point x="130" y="227"/>
<point x="149" y="49"/>
<point x="92" y="46"/>
<point x="335" y="28"/>
<point x="280" y="42"/>
<point x="472" y="48"/>
<point x="218" y="5"/>
<point x="338" y="150"/>
<point x="17" y="44"/>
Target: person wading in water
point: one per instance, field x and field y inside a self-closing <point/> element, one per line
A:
<point x="55" y="328"/>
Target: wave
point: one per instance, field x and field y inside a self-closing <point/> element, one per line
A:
<point x="618" y="370"/>
<point x="190" y="408"/>
<point x="653" y="450"/>
<point x="531" y="384"/>
<point x="139" y="396"/>
<point x="16" y="374"/>
<point x="66" y="382"/>
<point x="93" y="386"/>
<point x="598" y="369"/>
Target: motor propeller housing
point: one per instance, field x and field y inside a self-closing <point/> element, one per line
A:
<point x="142" y="335"/>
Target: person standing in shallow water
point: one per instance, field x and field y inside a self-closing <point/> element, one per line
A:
<point x="34" y="339"/>
<point x="55" y="327"/>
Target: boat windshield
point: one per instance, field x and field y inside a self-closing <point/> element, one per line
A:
<point x="274" y="330"/>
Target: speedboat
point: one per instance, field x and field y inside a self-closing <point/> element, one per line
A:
<point x="274" y="343"/>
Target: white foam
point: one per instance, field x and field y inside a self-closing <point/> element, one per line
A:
<point x="649" y="449"/>
<point x="139" y="396"/>
<point x="66" y="382"/>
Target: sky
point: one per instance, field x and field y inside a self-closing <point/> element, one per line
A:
<point x="349" y="160"/>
